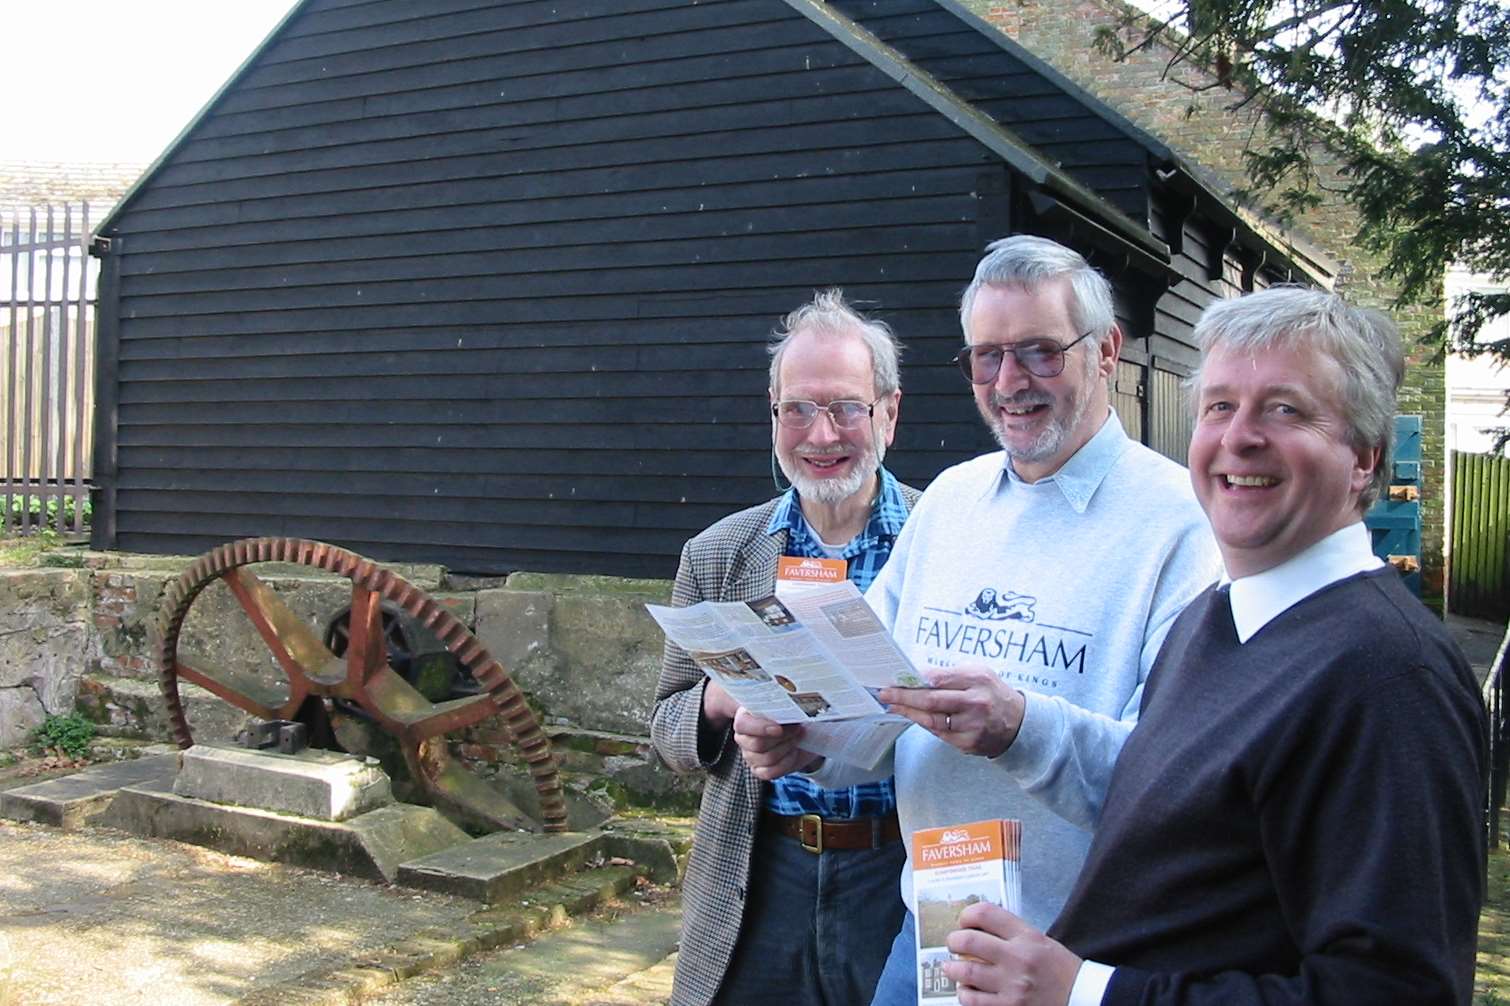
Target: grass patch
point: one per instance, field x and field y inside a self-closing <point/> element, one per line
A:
<point x="28" y="550"/>
<point x="40" y="548"/>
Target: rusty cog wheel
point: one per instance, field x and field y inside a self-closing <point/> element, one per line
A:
<point x="362" y="676"/>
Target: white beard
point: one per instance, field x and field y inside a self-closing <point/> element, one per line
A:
<point x="834" y="490"/>
<point x="1048" y="442"/>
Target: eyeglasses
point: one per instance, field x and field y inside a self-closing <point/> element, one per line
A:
<point x="1039" y="357"/>
<point x="799" y="413"/>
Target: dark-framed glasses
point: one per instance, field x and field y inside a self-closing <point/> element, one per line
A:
<point x="1040" y="357"/>
<point x="845" y="414"/>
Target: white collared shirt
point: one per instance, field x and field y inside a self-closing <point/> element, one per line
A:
<point x="1256" y="601"/>
<point x="1259" y="599"/>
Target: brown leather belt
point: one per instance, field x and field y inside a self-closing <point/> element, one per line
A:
<point x="819" y="833"/>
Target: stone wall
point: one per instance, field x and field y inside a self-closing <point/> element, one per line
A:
<point x="46" y="630"/>
<point x="583" y="649"/>
<point x="582" y="646"/>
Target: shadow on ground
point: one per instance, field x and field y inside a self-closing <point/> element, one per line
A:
<point x="103" y="917"/>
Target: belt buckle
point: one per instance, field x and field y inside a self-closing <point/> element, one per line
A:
<point x="816" y="848"/>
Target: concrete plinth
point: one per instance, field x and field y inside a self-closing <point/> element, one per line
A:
<point x="369" y="845"/>
<point x="323" y="785"/>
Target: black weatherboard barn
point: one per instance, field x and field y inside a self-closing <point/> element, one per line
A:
<point x="488" y="284"/>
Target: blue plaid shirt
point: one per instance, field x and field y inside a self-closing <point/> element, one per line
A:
<point x="866" y="554"/>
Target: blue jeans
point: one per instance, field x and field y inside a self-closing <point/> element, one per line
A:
<point x="816" y="927"/>
<point x="898" y="985"/>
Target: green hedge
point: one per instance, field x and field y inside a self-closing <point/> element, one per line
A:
<point x="45" y="512"/>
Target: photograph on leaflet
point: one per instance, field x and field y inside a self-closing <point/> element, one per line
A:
<point x="731" y="665"/>
<point x="812" y="704"/>
<point x="932" y="982"/>
<point x="773" y="613"/>
<point x="939" y="908"/>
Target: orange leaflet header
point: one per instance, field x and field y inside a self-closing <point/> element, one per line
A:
<point x="790" y="567"/>
<point x="976" y="842"/>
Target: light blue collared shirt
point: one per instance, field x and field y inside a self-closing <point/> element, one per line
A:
<point x="1080" y="476"/>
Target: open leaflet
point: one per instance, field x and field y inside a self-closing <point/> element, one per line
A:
<point x="815" y="656"/>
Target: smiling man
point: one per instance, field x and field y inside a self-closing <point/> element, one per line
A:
<point x="1299" y="816"/>
<point x="1032" y="586"/>
<point x="790" y="895"/>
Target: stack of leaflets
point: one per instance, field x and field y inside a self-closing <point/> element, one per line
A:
<point x="952" y="869"/>
<point x="814" y="654"/>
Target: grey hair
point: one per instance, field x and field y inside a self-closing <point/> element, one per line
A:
<point x="1028" y="262"/>
<point x="1364" y="343"/>
<point x="829" y="314"/>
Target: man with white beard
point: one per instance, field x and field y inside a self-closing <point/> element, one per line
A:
<point x="1094" y="542"/>
<point x="791" y="895"/>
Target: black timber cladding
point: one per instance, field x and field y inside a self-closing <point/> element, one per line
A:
<point x="492" y="286"/>
<point x="974" y="66"/>
<point x="489" y="284"/>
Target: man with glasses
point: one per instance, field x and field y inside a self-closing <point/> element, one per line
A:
<point x="1032" y="586"/>
<point x="790" y="895"/>
<point x="1299" y="817"/>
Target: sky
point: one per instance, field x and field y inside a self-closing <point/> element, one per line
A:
<point x="117" y="80"/>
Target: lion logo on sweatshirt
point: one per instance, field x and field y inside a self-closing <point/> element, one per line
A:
<point x="1009" y="605"/>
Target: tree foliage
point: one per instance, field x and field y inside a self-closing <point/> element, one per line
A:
<point x="1408" y="96"/>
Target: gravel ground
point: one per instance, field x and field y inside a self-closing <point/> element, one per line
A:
<point x="101" y="917"/>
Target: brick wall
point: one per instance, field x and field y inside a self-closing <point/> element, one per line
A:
<point x="1203" y="127"/>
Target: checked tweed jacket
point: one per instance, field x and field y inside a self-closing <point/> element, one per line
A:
<point x="733" y="560"/>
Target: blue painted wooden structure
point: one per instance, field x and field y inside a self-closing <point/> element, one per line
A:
<point x="1395" y="525"/>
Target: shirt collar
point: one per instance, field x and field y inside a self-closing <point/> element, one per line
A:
<point x="1080" y="476"/>
<point x="887" y="515"/>
<point x="1259" y="599"/>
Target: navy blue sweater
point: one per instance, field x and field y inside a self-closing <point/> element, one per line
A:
<point x="1297" y="819"/>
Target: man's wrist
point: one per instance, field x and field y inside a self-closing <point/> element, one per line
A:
<point x="1017" y="707"/>
<point x="714" y="717"/>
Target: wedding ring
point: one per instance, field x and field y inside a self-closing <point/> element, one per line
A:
<point x="948" y="723"/>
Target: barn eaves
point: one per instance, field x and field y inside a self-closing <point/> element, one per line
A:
<point x="1261" y="242"/>
<point x="1060" y="198"/>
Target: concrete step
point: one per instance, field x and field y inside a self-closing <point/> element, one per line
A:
<point x="293" y="809"/>
<point x="623" y="957"/>
<point x="463" y="948"/>
<point x="76" y="800"/>
<point x="659" y="845"/>
<point x="501" y="865"/>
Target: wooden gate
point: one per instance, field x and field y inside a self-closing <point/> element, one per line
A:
<point x="1477" y="580"/>
<point x="47" y="293"/>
